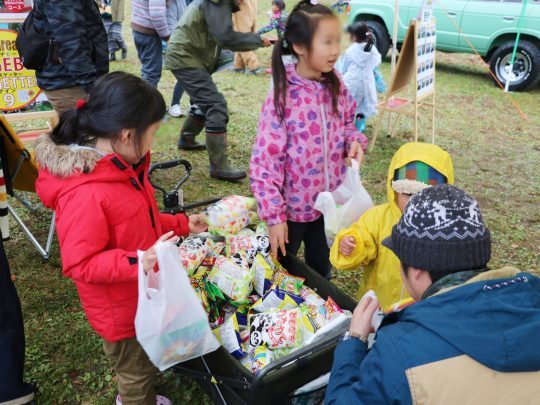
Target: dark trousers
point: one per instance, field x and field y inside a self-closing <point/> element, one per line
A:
<point x="11" y="338"/>
<point x="316" y="250"/>
<point x="177" y="93"/>
<point x="203" y="92"/>
<point x="150" y="52"/>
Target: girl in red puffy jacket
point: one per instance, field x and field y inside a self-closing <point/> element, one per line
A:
<point x="93" y="172"/>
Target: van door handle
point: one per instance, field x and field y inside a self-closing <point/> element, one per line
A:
<point x="508" y="18"/>
<point x="452" y="13"/>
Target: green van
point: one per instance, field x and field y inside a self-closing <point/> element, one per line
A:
<point x="490" y="26"/>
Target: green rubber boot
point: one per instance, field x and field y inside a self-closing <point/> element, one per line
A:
<point x="191" y="128"/>
<point x="220" y="168"/>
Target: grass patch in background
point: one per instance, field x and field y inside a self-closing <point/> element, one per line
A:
<point x="496" y="158"/>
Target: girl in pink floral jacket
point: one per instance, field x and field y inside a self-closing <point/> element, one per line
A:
<point x="306" y="131"/>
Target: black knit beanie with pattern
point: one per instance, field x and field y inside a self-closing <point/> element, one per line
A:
<point x="441" y="230"/>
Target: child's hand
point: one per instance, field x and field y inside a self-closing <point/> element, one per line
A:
<point x="356" y="152"/>
<point x="149" y="258"/>
<point x="347" y="245"/>
<point x="279" y="237"/>
<point x="266" y="42"/>
<point x="197" y="223"/>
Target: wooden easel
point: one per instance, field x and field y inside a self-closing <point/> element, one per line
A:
<point x="408" y="68"/>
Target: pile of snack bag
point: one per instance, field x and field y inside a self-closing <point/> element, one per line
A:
<point x="257" y="310"/>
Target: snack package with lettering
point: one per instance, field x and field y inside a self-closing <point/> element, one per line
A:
<point x="288" y="282"/>
<point x="192" y="253"/>
<point x="229" y="336"/>
<point x="276" y="329"/>
<point x="325" y="313"/>
<point x="232" y="279"/>
<point x="214" y="250"/>
<point x="310" y="297"/>
<point x="275" y="300"/>
<point x="261" y="356"/>
<point x="231" y="214"/>
<point x="252" y="245"/>
<point x="309" y="323"/>
<point x="263" y="267"/>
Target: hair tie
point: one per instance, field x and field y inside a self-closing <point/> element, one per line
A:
<point x="314" y="2"/>
<point x="285" y="44"/>
<point x="80" y="103"/>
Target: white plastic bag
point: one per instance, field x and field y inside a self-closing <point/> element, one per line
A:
<point x="171" y="324"/>
<point x="344" y="206"/>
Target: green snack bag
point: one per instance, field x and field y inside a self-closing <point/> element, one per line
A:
<point x="288" y="282"/>
<point x="232" y="279"/>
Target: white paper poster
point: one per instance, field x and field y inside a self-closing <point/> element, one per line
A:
<point x="425" y="56"/>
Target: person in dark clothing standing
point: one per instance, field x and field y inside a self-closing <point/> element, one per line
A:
<point x="192" y="55"/>
<point x="81" y="52"/>
<point x="12" y="388"/>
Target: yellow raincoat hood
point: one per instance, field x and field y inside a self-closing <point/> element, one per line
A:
<point x="427" y="153"/>
<point x="381" y="266"/>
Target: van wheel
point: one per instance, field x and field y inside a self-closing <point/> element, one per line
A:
<point x="526" y="71"/>
<point x="382" y="38"/>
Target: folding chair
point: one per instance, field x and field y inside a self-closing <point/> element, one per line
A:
<point x="21" y="175"/>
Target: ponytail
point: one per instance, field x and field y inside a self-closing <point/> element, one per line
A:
<point x="67" y="131"/>
<point x="299" y="30"/>
<point x="279" y="76"/>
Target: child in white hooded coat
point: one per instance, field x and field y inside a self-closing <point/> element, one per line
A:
<point x="357" y="68"/>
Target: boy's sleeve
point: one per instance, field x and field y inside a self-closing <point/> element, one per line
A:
<point x="158" y="15"/>
<point x="178" y="223"/>
<point x="361" y="378"/>
<point x="267" y="165"/>
<point x="351" y="132"/>
<point x="219" y="21"/>
<point x="366" y="248"/>
<point x="84" y="252"/>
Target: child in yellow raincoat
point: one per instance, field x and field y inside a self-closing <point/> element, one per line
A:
<point x="413" y="167"/>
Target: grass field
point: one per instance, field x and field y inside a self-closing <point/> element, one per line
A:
<point x="496" y="155"/>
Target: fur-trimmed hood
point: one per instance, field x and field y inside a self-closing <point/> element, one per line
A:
<point x="63" y="168"/>
<point x="65" y="161"/>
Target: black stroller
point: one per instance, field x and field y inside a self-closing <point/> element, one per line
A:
<point x="223" y="377"/>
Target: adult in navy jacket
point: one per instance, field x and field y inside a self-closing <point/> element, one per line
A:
<point x="472" y="335"/>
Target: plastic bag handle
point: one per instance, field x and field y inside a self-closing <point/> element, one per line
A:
<point x="353" y="164"/>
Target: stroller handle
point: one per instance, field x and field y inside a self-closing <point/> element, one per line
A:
<point x="169" y="165"/>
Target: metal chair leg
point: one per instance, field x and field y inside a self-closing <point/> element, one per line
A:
<point x="44" y="252"/>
